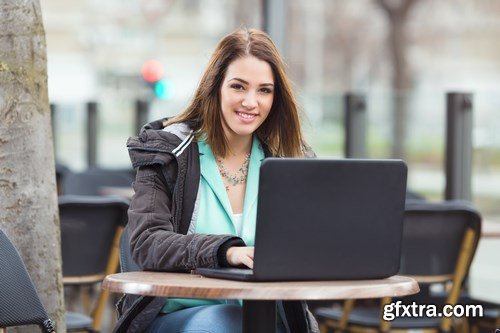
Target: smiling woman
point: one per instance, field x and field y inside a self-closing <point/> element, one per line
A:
<point x="246" y="100"/>
<point x="246" y="97"/>
<point x="195" y="201"/>
<point x="246" y="59"/>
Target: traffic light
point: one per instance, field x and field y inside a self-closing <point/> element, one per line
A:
<point x="153" y="73"/>
<point x="163" y="89"/>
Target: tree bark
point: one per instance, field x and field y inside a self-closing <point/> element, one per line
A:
<point x="397" y="15"/>
<point x="28" y="198"/>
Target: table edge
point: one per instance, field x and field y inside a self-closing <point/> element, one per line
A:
<point x="407" y="286"/>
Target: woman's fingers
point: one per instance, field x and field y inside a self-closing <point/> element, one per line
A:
<point x="247" y="261"/>
<point x="251" y="251"/>
<point x="247" y="256"/>
<point x="240" y="256"/>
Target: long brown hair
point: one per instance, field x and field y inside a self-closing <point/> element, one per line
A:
<point x="280" y="132"/>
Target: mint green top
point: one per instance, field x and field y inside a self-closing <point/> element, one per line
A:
<point x="215" y="215"/>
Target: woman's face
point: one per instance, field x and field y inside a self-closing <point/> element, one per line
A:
<point x="247" y="94"/>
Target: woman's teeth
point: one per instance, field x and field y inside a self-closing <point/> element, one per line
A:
<point x="246" y="115"/>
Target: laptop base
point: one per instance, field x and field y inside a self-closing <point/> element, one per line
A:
<point x="239" y="274"/>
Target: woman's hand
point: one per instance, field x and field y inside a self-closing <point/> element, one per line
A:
<point x="240" y="255"/>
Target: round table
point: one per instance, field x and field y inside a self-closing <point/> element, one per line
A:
<point x="259" y="298"/>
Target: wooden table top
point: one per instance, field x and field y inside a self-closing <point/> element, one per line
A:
<point x="195" y="286"/>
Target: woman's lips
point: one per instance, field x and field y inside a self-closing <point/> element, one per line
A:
<point x="246" y="117"/>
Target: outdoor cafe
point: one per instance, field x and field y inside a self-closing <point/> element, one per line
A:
<point x="333" y="170"/>
<point x="440" y="258"/>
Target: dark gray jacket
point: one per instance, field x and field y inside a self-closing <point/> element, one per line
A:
<point x="166" y="186"/>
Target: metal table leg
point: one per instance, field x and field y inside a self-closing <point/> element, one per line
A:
<point x="259" y="316"/>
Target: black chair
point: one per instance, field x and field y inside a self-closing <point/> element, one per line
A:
<point x="91" y="181"/>
<point x="19" y="301"/>
<point x="90" y="233"/>
<point x="439" y="242"/>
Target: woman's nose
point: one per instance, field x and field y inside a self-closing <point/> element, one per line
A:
<point x="249" y="101"/>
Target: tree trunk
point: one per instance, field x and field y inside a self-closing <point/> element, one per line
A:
<point x="397" y="15"/>
<point x="28" y="198"/>
<point x="398" y="45"/>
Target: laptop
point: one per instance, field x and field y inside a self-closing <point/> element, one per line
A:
<point x="323" y="219"/>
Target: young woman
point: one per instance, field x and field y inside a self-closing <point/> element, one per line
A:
<point x="196" y="185"/>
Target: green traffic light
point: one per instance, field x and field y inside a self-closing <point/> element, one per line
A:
<point x="163" y="89"/>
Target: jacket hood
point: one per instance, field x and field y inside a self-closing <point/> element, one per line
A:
<point x="157" y="144"/>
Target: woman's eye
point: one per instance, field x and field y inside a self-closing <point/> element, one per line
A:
<point x="237" y="86"/>
<point x="266" y="90"/>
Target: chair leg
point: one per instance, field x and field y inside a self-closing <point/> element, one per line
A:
<point x="346" y="311"/>
<point x="112" y="267"/>
<point x="385" y="326"/>
<point x="461" y="269"/>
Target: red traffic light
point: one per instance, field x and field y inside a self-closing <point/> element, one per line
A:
<point x="152" y="70"/>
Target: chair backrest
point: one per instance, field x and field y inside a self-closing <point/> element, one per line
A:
<point x="89" y="226"/>
<point x="439" y="243"/>
<point x="433" y="235"/>
<point x="90" y="181"/>
<point x="19" y="301"/>
<point x="127" y="264"/>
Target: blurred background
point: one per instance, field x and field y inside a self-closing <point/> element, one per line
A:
<point x="403" y="56"/>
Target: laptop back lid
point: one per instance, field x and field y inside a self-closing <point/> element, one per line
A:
<point x="329" y="219"/>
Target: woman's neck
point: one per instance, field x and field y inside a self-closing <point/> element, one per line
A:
<point x="239" y="145"/>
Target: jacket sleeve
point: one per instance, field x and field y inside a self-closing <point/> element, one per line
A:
<point x="154" y="243"/>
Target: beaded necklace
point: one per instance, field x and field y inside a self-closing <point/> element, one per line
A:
<point x="234" y="179"/>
